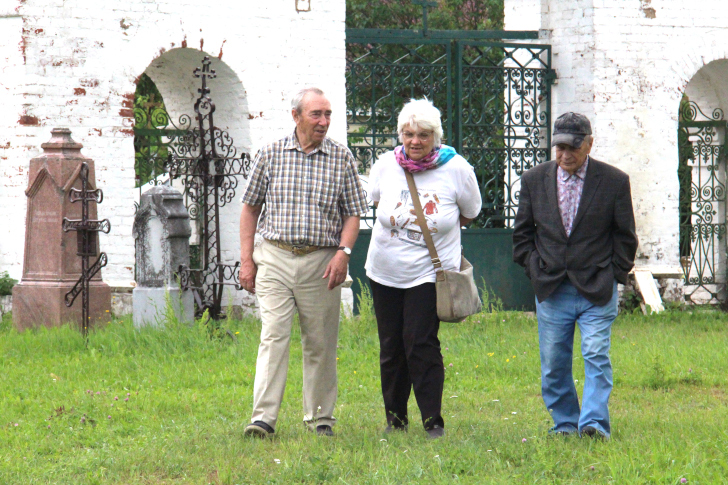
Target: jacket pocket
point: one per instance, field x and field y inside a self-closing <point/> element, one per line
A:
<point x="605" y="263"/>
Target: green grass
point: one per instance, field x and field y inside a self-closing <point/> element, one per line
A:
<point x="190" y="397"/>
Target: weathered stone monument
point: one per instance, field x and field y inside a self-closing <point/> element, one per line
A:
<point x="162" y="241"/>
<point x="51" y="266"/>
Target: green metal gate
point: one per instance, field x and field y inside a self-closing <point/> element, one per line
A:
<point x="495" y="100"/>
<point x="702" y="175"/>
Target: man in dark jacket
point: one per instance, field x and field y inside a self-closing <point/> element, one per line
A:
<point x="575" y="236"/>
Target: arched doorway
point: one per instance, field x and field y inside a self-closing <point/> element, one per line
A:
<point x="702" y="138"/>
<point x="189" y="132"/>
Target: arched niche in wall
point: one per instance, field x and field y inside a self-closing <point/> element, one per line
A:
<point x="172" y="75"/>
<point x="702" y="151"/>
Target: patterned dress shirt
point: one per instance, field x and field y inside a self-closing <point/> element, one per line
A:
<point x="569" y="189"/>
<point x="305" y="195"/>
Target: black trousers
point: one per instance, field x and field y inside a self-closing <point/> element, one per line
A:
<point x="409" y="351"/>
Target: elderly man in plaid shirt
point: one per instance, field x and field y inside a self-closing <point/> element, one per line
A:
<point x="305" y="196"/>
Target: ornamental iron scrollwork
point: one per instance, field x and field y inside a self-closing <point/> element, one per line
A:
<point x="702" y="200"/>
<point x="206" y="162"/>
<point x="505" y="120"/>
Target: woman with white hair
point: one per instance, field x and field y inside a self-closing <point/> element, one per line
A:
<point x="398" y="264"/>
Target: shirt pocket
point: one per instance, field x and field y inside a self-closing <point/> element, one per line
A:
<point x="326" y="188"/>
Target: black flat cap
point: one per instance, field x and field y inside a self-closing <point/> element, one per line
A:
<point x="571" y="128"/>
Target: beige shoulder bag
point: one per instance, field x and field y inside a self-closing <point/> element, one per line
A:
<point x="457" y="294"/>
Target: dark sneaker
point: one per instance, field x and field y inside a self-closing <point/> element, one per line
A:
<point x="324" y="430"/>
<point x="591" y="432"/>
<point x="435" y="433"/>
<point x="259" y="429"/>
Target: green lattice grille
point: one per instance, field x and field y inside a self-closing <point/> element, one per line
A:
<point x="504" y="123"/>
<point x="702" y="173"/>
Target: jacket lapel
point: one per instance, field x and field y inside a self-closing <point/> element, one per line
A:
<point x="591" y="184"/>
<point x="553" y="197"/>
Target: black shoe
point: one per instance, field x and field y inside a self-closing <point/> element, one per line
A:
<point x="391" y="429"/>
<point x="435" y="432"/>
<point x="324" y="430"/>
<point x="259" y="429"/>
<point x="591" y="432"/>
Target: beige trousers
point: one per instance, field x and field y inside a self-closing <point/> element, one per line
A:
<point x="285" y="282"/>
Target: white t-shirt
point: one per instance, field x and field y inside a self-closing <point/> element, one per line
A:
<point x="398" y="255"/>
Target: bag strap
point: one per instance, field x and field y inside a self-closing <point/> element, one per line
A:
<point x="423" y="223"/>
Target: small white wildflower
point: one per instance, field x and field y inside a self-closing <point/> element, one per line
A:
<point x="278" y="462"/>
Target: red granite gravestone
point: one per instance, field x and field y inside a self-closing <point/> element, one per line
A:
<point x="51" y="266"/>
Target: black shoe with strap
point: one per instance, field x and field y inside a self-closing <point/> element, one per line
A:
<point x="324" y="430"/>
<point x="259" y="429"/>
<point x="435" y="432"/>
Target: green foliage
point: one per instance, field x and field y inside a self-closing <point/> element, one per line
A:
<point x="151" y="151"/>
<point x="6" y="284"/>
<point x="686" y="158"/>
<point x="491" y="302"/>
<point x="448" y="15"/>
<point x="189" y="398"/>
<point x="631" y="302"/>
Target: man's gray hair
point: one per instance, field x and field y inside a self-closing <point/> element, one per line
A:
<point x="297" y="101"/>
<point x="420" y="113"/>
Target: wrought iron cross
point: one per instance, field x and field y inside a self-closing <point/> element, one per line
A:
<point x="205" y="73"/>
<point x="425" y="5"/>
<point x="207" y="163"/>
<point x="87" y="230"/>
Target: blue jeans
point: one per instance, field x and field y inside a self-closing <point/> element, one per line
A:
<point x="557" y="316"/>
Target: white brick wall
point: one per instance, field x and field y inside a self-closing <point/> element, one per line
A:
<point x="625" y="65"/>
<point x="74" y="62"/>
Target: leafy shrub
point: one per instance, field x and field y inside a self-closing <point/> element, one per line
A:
<point x="6" y="284"/>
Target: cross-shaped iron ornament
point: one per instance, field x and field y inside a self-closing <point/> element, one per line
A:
<point x="208" y="165"/>
<point x="204" y="73"/>
<point x="87" y="230"/>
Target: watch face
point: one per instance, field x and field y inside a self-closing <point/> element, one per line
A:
<point x="346" y="250"/>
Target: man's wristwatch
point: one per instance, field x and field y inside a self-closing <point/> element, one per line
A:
<point x="346" y="250"/>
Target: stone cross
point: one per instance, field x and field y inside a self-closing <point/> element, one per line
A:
<point x="162" y="242"/>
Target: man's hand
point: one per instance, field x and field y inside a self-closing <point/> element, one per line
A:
<point x="248" y="220"/>
<point x="248" y="270"/>
<point x="337" y="269"/>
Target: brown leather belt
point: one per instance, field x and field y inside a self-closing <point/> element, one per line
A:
<point x="296" y="249"/>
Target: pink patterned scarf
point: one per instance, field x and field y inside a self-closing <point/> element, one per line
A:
<point x="437" y="157"/>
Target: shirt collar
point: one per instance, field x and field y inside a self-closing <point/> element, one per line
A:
<point x="292" y="143"/>
<point x="581" y="173"/>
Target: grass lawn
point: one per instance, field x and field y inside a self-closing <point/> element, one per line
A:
<point x="153" y="407"/>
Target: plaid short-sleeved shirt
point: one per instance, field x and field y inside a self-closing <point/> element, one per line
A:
<point x="305" y="195"/>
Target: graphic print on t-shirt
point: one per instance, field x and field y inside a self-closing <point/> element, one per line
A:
<point x="403" y="220"/>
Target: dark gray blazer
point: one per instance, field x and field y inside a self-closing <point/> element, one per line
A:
<point x="602" y="244"/>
